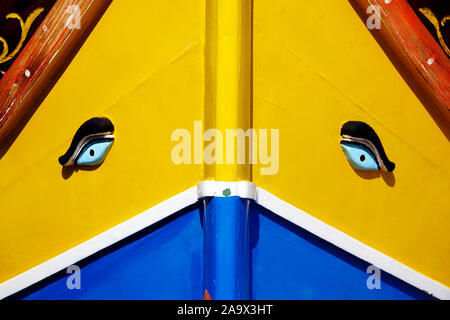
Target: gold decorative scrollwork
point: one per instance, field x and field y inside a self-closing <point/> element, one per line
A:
<point x="25" y="28"/>
<point x="432" y="18"/>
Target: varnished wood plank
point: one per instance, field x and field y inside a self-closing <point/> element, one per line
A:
<point x="42" y="61"/>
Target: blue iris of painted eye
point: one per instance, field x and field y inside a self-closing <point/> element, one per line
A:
<point x="359" y="157"/>
<point x="94" y="153"/>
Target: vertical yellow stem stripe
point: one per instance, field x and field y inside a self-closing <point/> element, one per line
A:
<point x="228" y="79"/>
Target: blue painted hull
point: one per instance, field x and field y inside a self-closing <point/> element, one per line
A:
<point x="183" y="255"/>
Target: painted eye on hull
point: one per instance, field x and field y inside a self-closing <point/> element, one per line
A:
<point x="359" y="157"/>
<point x="363" y="147"/>
<point x="94" y="153"/>
<point x="91" y="143"/>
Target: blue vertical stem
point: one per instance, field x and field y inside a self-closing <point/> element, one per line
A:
<point x="226" y="248"/>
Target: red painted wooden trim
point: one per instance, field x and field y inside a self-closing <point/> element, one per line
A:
<point x="415" y="46"/>
<point x="42" y="61"/>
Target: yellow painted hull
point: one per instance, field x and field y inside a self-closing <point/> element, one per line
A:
<point x="315" y="66"/>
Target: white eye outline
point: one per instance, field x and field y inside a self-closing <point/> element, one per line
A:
<point x="352" y="150"/>
<point x="369" y="145"/>
<point x="88" y="147"/>
<point x="84" y="142"/>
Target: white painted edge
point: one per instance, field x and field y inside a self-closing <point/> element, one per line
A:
<point x="212" y="188"/>
<point x="351" y="245"/>
<point x="242" y="189"/>
<point x="99" y="242"/>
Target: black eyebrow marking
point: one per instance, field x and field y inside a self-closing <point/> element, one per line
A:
<point x="95" y="126"/>
<point x="361" y="130"/>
